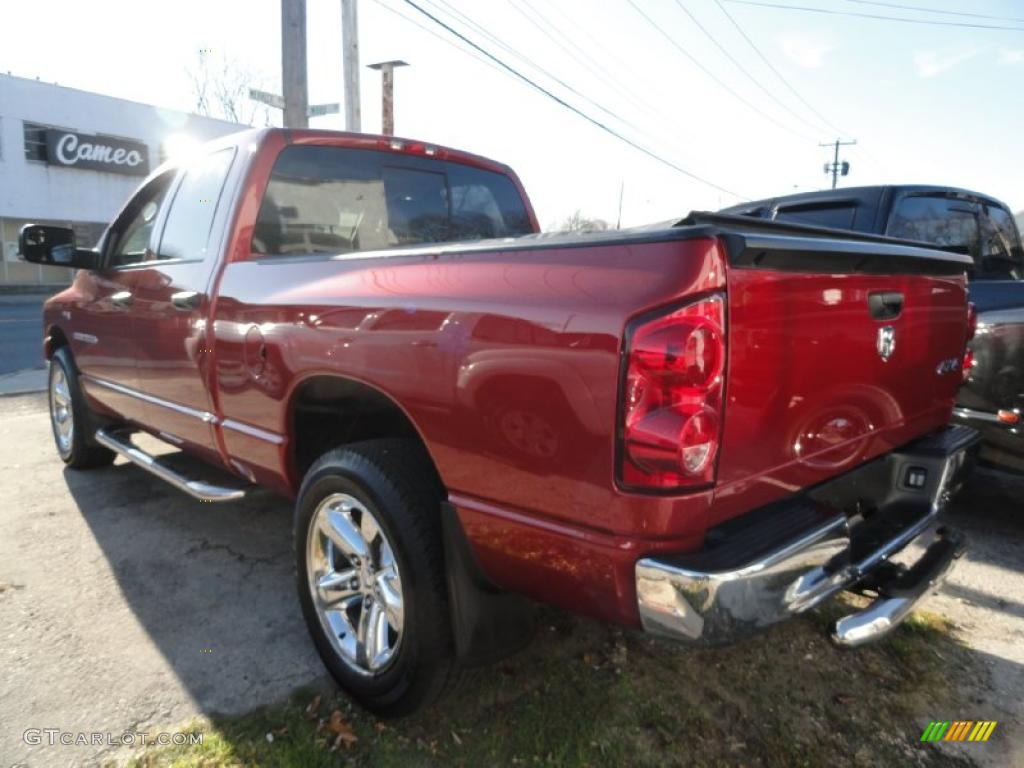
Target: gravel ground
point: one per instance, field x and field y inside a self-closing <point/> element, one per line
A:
<point x="127" y="606"/>
<point x="984" y="598"/>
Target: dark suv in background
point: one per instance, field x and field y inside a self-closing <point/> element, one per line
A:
<point x="993" y="398"/>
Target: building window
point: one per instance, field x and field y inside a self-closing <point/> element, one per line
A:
<point x="35" y="142"/>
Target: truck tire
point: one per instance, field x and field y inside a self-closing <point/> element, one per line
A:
<point x="71" y="419"/>
<point x="370" y="574"/>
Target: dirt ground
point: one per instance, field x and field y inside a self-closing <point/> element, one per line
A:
<point x="125" y="605"/>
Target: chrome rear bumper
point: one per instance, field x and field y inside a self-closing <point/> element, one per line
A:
<point x="756" y="576"/>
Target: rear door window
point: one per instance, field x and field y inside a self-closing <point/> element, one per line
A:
<point x="340" y="200"/>
<point x="946" y="222"/>
<point x="1001" y="255"/>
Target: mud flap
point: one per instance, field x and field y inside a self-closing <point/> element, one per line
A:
<point x="488" y="623"/>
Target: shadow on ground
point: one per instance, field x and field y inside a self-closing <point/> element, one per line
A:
<point x="211" y="584"/>
<point x="219" y="577"/>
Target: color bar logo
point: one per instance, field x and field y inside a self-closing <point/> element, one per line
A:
<point x="959" y="730"/>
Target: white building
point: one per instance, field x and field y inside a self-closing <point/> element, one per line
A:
<point x="72" y="158"/>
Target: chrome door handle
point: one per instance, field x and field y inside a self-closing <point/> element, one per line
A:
<point x="186" y="300"/>
<point x="122" y="299"/>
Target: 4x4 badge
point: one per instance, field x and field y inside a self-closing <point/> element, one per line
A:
<point x="886" y="343"/>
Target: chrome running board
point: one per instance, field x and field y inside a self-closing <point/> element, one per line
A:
<point x="122" y="445"/>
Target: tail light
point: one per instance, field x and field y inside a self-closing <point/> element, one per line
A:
<point x="670" y="425"/>
<point x="972" y="328"/>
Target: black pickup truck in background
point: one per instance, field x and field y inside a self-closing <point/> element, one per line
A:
<point x="992" y="400"/>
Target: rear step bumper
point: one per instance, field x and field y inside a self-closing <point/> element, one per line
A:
<point x="122" y="444"/>
<point x="898" y="594"/>
<point x="786" y="558"/>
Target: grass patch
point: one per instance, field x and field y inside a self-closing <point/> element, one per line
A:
<point x="585" y="694"/>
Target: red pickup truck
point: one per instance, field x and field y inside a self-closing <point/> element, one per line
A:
<point x="699" y="428"/>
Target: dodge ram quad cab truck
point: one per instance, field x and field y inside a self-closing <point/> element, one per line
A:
<point x="992" y="399"/>
<point x="698" y="429"/>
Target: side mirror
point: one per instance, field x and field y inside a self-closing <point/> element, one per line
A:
<point x="55" y="247"/>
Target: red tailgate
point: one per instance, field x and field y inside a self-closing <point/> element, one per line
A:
<point x="822" y="377"/>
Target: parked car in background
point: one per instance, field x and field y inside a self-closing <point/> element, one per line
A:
<point x="992" y="399"/>
<point x="667" y="428"/>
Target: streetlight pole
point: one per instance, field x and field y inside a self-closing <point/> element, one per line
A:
<point x="387" y="70"/>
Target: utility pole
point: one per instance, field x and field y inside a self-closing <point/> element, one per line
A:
<point x="350" y="62"/>
<point x="294" y="87"/>
<point x="387" y="70"/>
<point x="835" y="167"/>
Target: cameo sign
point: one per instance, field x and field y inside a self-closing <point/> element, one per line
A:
<point x="96" y="153"/>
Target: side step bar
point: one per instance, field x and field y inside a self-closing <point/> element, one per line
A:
<point x="122" y="444"/>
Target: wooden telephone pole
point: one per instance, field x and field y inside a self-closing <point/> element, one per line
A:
<point x="294" y="98"/>
<point x="835" y="167"/>
<point x="350" y="64"/>
<point x="295" y="88"/>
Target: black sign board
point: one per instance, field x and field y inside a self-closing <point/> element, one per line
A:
<point x="69" y="149"/>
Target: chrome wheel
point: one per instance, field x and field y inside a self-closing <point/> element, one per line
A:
<point x="355" y="584"/>
<point x="60" y="409"/>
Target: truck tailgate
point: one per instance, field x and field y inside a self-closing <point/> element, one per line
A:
<point x="839" y="351"/>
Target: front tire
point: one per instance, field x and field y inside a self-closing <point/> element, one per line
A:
<point x="370" y="573"/>
<point x="70" y="417"/>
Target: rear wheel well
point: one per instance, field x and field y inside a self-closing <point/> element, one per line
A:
<point x="330" y="411"/>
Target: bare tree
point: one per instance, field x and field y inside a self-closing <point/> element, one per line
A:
<point x="580" y="223"/>
<point x="221" y="89"/>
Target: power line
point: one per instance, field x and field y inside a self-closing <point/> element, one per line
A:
<point x="743" y="69"/>
<point x="934" y="10"/>
<point x="471" y="52"/>
<point x="591" y="64"/>
<point x="903" y="19"/>
<point x="607" y="52"/>
<point x="711" y="74"/>
<point x="771" y="66"/>
<point x="475" y="55"/>
<point x="446" y="40"/>
<point x="455" y="12"/>
<point x="597" y="123"/>
<point x="599" y="71"/>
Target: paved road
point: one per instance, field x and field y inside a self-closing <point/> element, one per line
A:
<point x="125" y="605"/>
<point x="21" y="333"/>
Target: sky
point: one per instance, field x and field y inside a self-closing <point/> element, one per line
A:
<point x="742" y="106"/>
